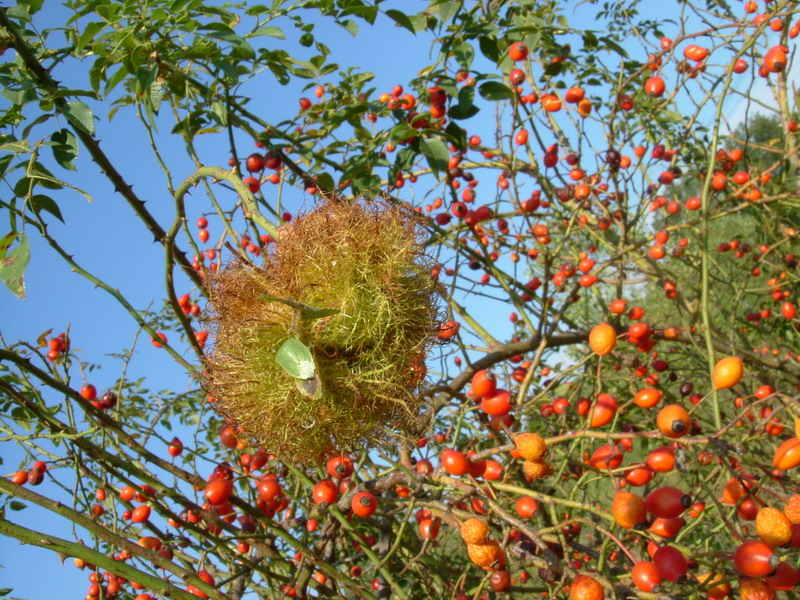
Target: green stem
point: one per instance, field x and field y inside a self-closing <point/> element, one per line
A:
<point x="118" y="567"/>
<point x="705" y="253"/>
<point x="396" y="589"/>
<point x="244" y="193"/>
<point x="102" y="533"/>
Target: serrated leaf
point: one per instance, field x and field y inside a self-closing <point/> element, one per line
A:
<point x="269" y="31"/>
<point x="20" y="96"/>
<point x="12" y="267"/>
<point x="309" y="387"/>
<point x="306" y="312"/>
<point x="296" y="359"/>
<point x="436" y="152"/>
<point x="494" y="90"/>
<point x="80" y="115"/>
<point x="401" y="19"/>
<point x="6" y="241"/>
<point x="47" y="180"/>
<point x="65" y="148"/>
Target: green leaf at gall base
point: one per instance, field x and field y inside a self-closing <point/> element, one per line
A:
<point x="296" y="359"/>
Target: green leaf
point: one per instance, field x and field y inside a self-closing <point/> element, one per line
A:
<point x="325" y="181"/>
<point x="223" y="32"/>
<point x="89" y="31"/>
<point x="612" y="45"/>
<point x="146" y="77"/>
<point x="464" y="54"/>
<point x="447" y="10"/>
<point x="18" y="12"/>
<point x="65" y="148"/>
<point x="436" y="153"/>
<point x="40" y="202"/>
<point x="46" y="179"/>
<point x="296" y="359"/>
<point x="269" y="31"/>
<point x="306" y="312"/>
<point x="494" y="90"/>
<point x="459" y="112"/>
<point x="457" y="136"/>
<point x="401" y="19"/>
<point x="466" y="107"/>
<point x="34" y="122"/>
<point x="363" y="11"/>
<point x="6" y="241"/>
<point x="157" y="91"/>
<point x="488" y="48"/>
<point x="4" y="162"/>
<point x="351" y="26"/>
<point x="405" y="159"/>
<point x="220" y="112"/>
<point x="12" y="267"/>
<point x="80" y="115"/>
<point x="16" y="505"/>
<point x="402" y="131"/>
<point x="16" y="147"/>
<point x="21" y="96"/>
<point x="5" y="592"/>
